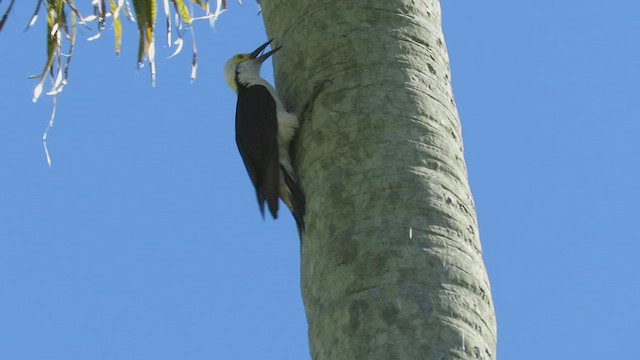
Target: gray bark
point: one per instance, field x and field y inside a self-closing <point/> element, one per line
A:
<point x="391" y="259"/>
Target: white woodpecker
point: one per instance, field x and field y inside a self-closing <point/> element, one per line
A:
<point x="264" y="130"/>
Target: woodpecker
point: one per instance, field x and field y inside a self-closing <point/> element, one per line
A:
<point x="264" y="130"/>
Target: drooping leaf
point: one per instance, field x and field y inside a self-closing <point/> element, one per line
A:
<point x="54" y="8"/>
<point x="45" y="135"/>
<point x="33" y="20"/>
<point x="203" y="4"/>
<point x="102" y="15"/>
<point x="181" y="9"/>
<point x="146" y="16"/>
<point x="72" y="43"/>
<point x="167" y="15"/>
<point x="140" y="7"/>
<point x="127" y="11"/>
<point x="194" y="59"/>
<point x="73" y="8"/>
<point x="117" y="24"/>
<point x="4" y="17"/>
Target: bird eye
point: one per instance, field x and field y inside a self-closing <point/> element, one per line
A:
<point x="238" y="58"/>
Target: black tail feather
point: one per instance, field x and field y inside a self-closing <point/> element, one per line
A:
<point x="297" y="201"/>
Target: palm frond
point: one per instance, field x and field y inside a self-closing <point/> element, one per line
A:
<point x="63" y="17"/>
<point x="59" y="30"/>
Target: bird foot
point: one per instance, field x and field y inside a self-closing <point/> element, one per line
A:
<point x="308" y="105"/>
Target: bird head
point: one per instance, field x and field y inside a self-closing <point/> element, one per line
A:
<point x="246" y="63"/>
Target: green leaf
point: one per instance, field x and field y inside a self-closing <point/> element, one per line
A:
<point x="181" y="9"/>
<point x="146" y="15"/>
<point x="117" y="25"/>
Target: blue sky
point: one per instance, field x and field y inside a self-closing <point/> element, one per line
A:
<point x="144" y="241"/>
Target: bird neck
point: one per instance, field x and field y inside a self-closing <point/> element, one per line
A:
<point x="248" y="73"/>
<point x="246" y="80"/>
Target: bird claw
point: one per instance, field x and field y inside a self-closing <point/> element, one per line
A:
<point x="319" y="86"/>
<point x="308" y="105"/>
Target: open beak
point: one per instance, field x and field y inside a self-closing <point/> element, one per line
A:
<point x="256" y="53"/>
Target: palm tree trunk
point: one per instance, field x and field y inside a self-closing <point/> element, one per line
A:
<point x="391" y="259"/>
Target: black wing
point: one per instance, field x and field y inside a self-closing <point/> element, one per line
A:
<point x="257" y="140"/>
